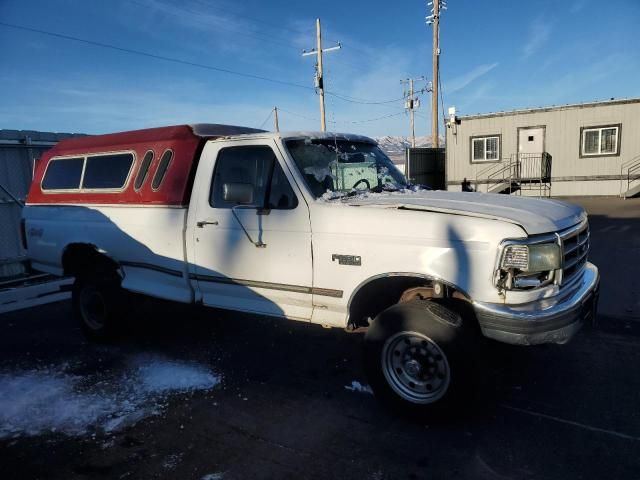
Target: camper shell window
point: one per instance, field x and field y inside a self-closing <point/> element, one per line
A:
<point x="143" y="170"/>
<point x="63" y="174"/>
<point x="107" y="172"/>
<point x="161" y="170"/>
<point x="101" y="172"/>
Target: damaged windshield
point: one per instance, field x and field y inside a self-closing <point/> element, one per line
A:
<point x="343" y="167"/>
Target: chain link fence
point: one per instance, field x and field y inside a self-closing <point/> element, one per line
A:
<point x="19" y="151"/>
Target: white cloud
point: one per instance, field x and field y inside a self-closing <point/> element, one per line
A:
<point x="539" y="33"/>
<point x="460" y="82"/>
<point x="578" y="6"/>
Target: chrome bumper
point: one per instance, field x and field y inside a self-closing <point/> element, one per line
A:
<point x="550" y="320"/>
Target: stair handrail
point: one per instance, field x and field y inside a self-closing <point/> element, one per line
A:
<point x="496" y="169"/>
<point x="631" y="166"/>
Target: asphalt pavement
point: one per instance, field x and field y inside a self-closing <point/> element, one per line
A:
<point x="264" y="398"/>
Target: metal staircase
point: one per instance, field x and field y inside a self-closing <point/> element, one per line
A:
<point x="630" y="180"/>
<point x="524" y="171"/>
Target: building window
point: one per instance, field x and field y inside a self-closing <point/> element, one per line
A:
<point x="485" y="149"/>
<point x="600" y="141"/>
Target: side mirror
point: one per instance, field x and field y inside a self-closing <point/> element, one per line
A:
<point x="238" y="193"/>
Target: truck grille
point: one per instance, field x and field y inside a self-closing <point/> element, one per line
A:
<point x="575" y="247"/>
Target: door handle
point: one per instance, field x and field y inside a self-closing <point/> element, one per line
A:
<point x="206" y="222"/>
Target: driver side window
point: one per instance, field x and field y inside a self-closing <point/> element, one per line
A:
<point x="244" y="172"/>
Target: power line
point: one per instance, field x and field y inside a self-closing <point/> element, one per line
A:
<point x="367" y="102"/>
<point x="444" y="119"/>
<point x="265" y="120"/>
<point x="256" y="34"/>
<point x="374" y="119"/>
<point x="315" y="119"/>
<point x="183" y="62"/>
<point x="156" y="56"/>
<point x="298" y="115"/>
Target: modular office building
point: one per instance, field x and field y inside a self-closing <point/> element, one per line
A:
<point x="581" y="149"/>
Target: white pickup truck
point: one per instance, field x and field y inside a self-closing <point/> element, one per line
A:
<point x="315" y="227"/>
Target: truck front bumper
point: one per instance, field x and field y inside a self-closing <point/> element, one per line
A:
<point x="550" y="320"/>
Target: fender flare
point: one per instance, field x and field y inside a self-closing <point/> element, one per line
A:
<point x="412" y="275"/>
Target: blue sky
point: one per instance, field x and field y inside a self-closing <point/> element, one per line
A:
<point x="496" y="55"/>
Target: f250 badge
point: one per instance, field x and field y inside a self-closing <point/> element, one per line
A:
<point x="36" y="232"/>
<point x="347" y="259"/>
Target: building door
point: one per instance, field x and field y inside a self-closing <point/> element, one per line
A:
<point x="530" y="140"/>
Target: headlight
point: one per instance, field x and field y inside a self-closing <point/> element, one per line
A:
<point x="523" y="267"/>
<point x="531" y="258"/>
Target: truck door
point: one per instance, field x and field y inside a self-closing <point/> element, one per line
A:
<point x="251" y="234"/>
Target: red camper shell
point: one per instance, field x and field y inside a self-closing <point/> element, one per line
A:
<point x="152" y="166"/>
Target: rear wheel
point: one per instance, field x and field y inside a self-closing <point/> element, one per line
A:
<point x="98" y="306"/>
<point x="416" y="356"/>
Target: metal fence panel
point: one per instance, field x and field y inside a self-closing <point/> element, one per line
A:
<point x="426" y="166"/>
<point x="19" y="150"/>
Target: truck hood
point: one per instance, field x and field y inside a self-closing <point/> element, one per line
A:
<point x="534" y="215"/>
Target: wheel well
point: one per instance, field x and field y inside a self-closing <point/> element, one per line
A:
<point x="380" y="293"/>
<point x="83" y="258"/>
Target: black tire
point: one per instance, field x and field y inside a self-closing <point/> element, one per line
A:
<point x="418" y="356"/>
<point x="98" y="306"/>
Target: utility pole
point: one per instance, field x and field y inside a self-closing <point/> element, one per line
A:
<point x="434" y="19"/>
<point x="275" y="119"/>
<point x="319" y="83"/>
<point x="411" y="105"/>
<point x="412" y="102"/>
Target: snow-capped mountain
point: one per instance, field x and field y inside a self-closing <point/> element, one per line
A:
<point x="395" y="145"/>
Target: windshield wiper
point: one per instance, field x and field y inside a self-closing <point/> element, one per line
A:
<point x="383" y="188"/>
<point x="376" y="189"/>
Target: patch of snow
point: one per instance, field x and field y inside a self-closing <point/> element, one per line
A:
<point x="319" y="172"/>
<point x="309" y="136"/>
<point x="330" y="195"/>
<point x="39" y="401"/>
<point x="359" y="387"/>
<point x="355" y="195"/>
<point x="161" y="376"/>
<point x="213" y="476"/>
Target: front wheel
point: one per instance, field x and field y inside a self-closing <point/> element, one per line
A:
<point x="416" y="356"/>
<point x="98" y="307"/>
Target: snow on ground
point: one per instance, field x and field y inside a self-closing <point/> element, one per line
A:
<point x="213" y="476"/>
<point x="359" y="387"/>
<point x="52" y="399"/>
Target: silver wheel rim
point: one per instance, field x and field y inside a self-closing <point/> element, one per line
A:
<point x="415" y="367"/>
<point x="93" y="308"/>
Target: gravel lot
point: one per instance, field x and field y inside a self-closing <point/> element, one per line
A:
<point x="200" y="394"/>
